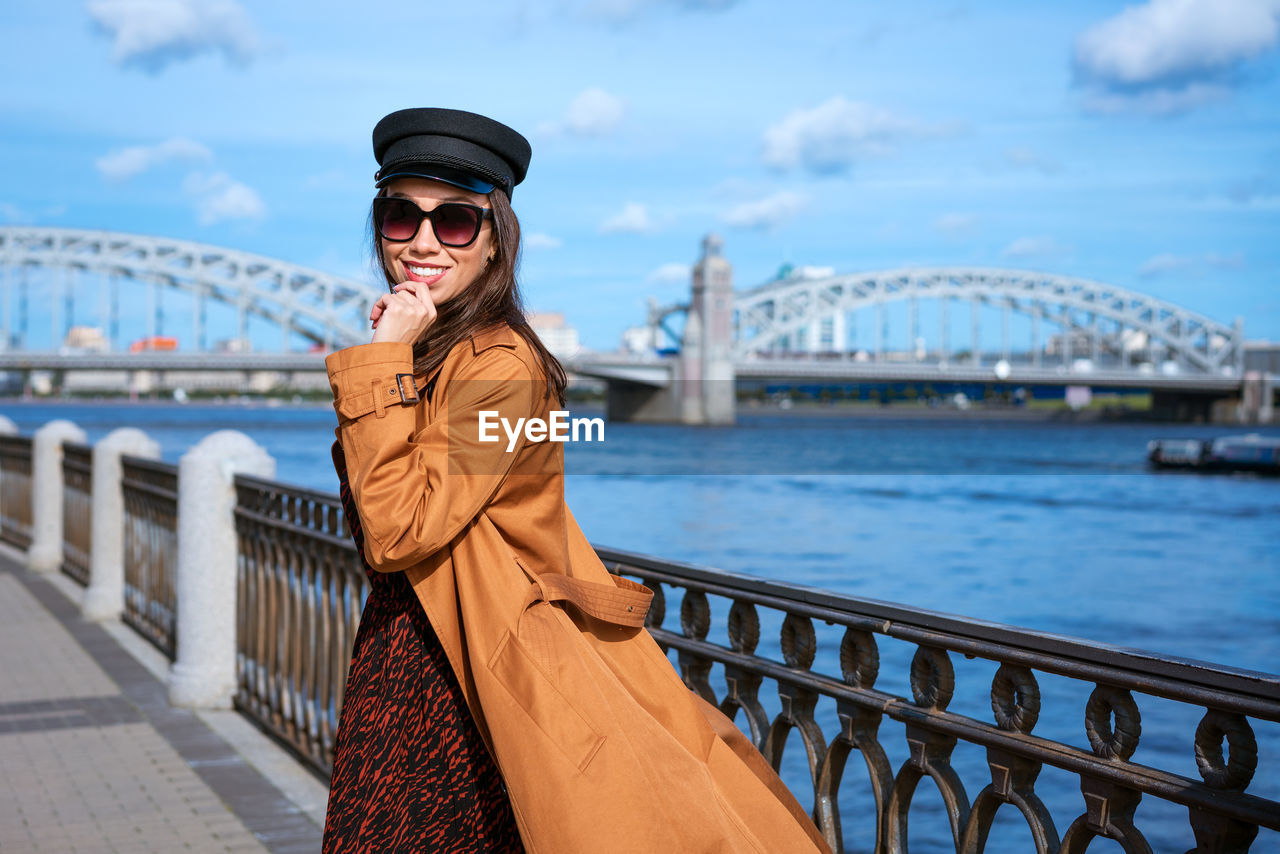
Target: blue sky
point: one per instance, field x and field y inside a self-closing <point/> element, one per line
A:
<point x="1136" y="144"/>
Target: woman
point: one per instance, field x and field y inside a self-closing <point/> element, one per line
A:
<point x="503" y="691"/>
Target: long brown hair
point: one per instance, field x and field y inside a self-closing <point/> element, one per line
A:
<point x="493" y="298"/>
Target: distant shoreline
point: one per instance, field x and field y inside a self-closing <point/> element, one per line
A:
<point x="898" y="411"/>
<point x="974" y="413"/>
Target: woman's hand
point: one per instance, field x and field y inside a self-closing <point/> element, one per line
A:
<point x="403" y="315"/>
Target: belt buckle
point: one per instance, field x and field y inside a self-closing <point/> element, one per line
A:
<point x="400" y="378"/>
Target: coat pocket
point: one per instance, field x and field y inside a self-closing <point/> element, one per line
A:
<point x="550" y="711"/>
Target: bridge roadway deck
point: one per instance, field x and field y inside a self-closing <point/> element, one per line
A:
<point x="95" y="759"/>
<point x="658" y="372"/>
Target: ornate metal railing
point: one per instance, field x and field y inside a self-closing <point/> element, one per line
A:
<point x="15" y="490"/>
<point x="77" y="510"/>
<point x="150" y="492"/>
<point x="301" y="591"/>
<point x="822" y="656"/>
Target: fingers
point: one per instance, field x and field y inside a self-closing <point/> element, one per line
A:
<point x="420" y="291"/>
<point x="403" y="315"/>
<point x="378" y="308"/>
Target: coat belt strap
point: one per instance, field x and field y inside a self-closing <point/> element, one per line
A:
<point x="623" y="603"/>
<point x="396" y="391"/>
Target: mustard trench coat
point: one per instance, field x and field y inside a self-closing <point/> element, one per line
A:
<point x="601" y="746"/>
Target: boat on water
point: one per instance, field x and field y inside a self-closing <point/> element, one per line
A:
<point x="1253" y="453"/>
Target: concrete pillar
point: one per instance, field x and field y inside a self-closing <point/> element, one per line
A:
<point x="204" y="673"/>
<point x="713" y="303"/>
<point x="688" y="375"/>
<point x="45" y="554"/>
<point x="104" y="597"/>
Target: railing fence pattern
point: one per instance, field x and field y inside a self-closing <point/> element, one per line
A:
<point x="301" y="591"/>
<point x="77" y="510"/>
<point x="15" y="490"/>
<point x="1223" y="817"/>
<point x="150" y="491"/>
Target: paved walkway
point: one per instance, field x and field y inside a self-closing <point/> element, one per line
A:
<point x="93" y="758"/>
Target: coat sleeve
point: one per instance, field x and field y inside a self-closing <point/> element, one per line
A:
<point x="416" y="489"/>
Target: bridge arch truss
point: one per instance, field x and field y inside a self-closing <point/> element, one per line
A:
<point x="323" y="309"/>
<point x="1101" y="317"/>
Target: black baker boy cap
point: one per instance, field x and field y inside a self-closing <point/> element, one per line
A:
<point x="460" y="148"/>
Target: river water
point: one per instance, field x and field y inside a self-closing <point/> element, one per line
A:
<point x="1049" y="525"/>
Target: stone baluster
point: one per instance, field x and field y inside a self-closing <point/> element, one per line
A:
<point x="204" y="673"/>
<point x="104" y="597"/>
<point x="45" y="554"/>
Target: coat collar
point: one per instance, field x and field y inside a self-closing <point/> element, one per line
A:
<point x="495" y="336"/>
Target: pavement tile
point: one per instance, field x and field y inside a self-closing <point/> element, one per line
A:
<point x="95" y="760"/>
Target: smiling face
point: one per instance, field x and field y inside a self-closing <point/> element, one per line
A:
<point x="446" y="270"/>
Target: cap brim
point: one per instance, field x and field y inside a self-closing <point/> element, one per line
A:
<point x="436" y="172"/>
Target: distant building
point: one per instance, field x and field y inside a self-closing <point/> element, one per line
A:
<point x="556" y="335"/>
<point x="807" y="271"/>
<point x="1262" y="356"/>
<point x="638" y="340"/>
<point x="85" y="339"/>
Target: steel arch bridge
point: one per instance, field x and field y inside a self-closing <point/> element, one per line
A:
<point x="786" y="315"/>
<point x="321" y="308"/>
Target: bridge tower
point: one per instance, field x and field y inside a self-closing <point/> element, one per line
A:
<point x="706" y="375"/>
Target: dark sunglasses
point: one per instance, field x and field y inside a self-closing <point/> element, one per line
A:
<point x="455" y="224"/>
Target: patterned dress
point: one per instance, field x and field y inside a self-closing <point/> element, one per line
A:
<point x="410" y="770"/>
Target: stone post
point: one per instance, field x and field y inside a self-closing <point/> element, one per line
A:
<point x="104" y="598"/>
<point x="45" y="554"/>
<point x="7" y="428"/>
<point x="204" y="674"/>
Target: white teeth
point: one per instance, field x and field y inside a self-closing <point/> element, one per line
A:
<point x="425" y="272"/>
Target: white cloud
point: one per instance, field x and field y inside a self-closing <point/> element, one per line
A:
<point x="125" y="163"/>
<point x="592" y="113"/>
<point x="1027" y="158"/>
<point x="9" y="212"/>
<point x="670" y="274"/>
<point x="1255" y="187"/>
<point x="1035" y="247"/>
<point x="767" y="213"/>
<point x="219" y="197"/>
<point x="18" y="215"/>
<point x="330" y="179"/>
<point x="632" y="219"/>
<point x="1167" y="56"/>
<point x="1158" y="265"/>
<point x="151" y="34"/>
<point x="621" y="11"/>
<point x="956" y="224"/>
<point x="828" y="138"/>
<point x="1155" y="101"/>
<point x="538" y="240"/>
